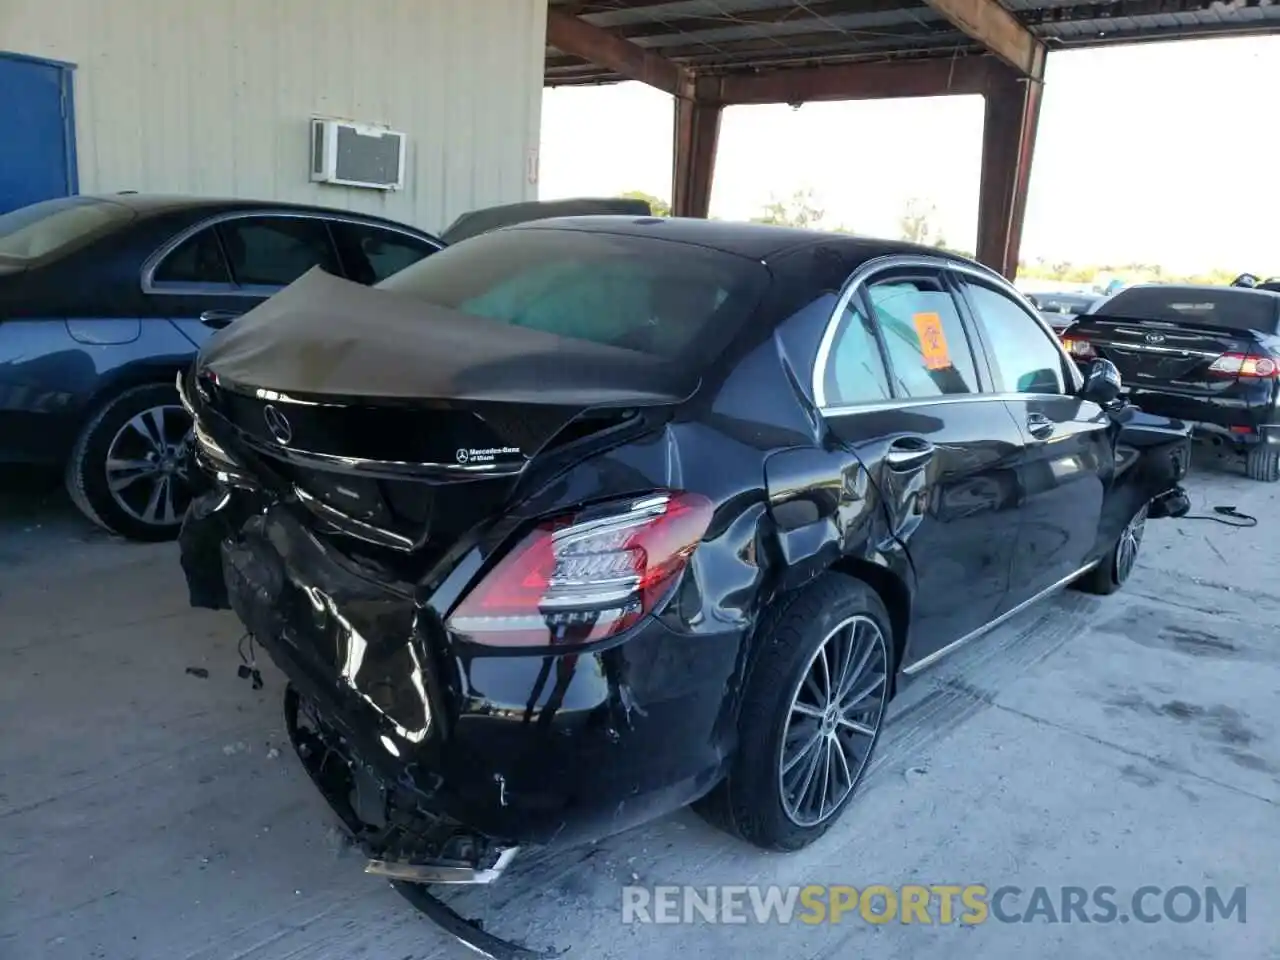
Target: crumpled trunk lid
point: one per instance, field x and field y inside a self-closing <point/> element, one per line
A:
<point x="401" y="422"/>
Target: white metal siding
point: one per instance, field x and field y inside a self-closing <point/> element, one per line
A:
<point x="213" y="97"/>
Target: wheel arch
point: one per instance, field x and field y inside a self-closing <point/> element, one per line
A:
<point x="893" y="592"/>
<point x="154" y="371"/>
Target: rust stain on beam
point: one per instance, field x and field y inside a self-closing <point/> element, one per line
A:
<point x="578" y="38"/>
<point x="998" y="31"/>
<point x="853" y="81"/>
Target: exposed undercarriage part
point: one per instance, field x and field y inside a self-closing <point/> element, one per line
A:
<point x="409" y="846"/>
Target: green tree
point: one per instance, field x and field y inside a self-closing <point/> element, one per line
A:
<point x="660" y="207"/>
<point x="918" y="223"/>
<point x="797" y="210"/>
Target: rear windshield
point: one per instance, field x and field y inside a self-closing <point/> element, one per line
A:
<point x="1227" y="307"/>
<point x="641" y="293"/>
<point x="43" y="229"/>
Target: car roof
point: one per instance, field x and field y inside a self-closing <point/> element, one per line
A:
<point x="156" y="204"/>
<point x="758" y="241"/>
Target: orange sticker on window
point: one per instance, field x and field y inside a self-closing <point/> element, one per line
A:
<point x="933" y="340"/>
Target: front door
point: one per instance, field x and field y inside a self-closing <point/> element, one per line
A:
<point x="943" y="451"/>
<point x="36" y="146"/>
<point x="1068" y="457"/>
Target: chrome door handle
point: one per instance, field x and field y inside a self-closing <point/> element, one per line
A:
<point x="907" y="453"/>
<point x="1039" y="426"/>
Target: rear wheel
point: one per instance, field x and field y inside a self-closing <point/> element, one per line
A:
<point x="811" y="714"/>
<point x="1262" y="463"/>
<point x="1114" y="569"/>
<point x="128" y="470"/>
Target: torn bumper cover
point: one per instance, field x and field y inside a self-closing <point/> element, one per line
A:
<point x="441" y="766"/>
<point x="441" y="760"/>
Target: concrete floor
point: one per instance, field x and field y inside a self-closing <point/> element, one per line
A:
<point x="146" y="812"/>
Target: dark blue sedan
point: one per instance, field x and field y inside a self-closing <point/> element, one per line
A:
<point x="104" y="299"/>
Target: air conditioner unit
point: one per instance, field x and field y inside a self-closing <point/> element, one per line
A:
<point x="356" y="155"/>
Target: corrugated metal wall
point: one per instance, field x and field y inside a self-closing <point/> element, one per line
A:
<point x="214" y="96"/>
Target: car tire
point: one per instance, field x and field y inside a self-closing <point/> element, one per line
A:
<point x="127" y="469"/>
<point x="838" y="621"/>
<point x="1117" y="566"/>
<point x="1263" y="463"/>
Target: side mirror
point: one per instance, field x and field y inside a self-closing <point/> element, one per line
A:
<point x="1101" y="383"/>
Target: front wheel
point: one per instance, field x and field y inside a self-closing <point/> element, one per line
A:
<point x="1115" y="568"/>
<point x="811" y="714"/>
<point x="128" y="469"/>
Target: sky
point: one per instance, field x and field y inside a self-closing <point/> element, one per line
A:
<point x="1161" y="153"/>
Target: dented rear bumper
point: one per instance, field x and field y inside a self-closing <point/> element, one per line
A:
<point x="512" y="749"/>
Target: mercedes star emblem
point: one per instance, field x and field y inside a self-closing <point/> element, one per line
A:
<point x="278" y="424"/>
<point x="462" y="455"/>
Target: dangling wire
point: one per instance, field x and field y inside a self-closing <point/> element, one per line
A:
<point x="1229" y="516"/>
<point x="248" y="669"/>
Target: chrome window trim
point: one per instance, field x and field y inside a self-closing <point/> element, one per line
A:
<point x="906" y="403"/>
<point x="151" y="286"/>
<point x="863" y="275"/>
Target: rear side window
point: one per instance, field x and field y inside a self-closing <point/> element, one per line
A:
<point x="371" y="254"/>
<point x="275" y="251"/>
<point x="654" y="296"/>
<point x="855" y="369"/>
<point x="928" y="348"/>
<point x="44" y="229"/>
<point x="198" y="259"/>
<point x="1231" y="308"/>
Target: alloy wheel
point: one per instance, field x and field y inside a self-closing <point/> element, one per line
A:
<point x="834" y="716"/>
<point x="147" y="465"/>
<point x="1130" y="541"/>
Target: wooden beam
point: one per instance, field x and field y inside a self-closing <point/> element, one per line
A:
<point x="997" y="30"/>
<point x="570" y="35"/>
<point x="1008" y="145"/>
<point x="852" y="81"/>
<point x="697" y="129"/>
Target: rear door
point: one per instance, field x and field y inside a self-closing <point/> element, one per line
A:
<point x="903" y="389"/>
<point x="1067" y="456"/>
<point x="207" y="278"/>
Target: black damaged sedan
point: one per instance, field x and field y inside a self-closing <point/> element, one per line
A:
<point x="583" y="520"/>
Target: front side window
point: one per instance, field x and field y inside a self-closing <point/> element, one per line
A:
<point x="668" y="299"/>
<point x="274" y="251"/>
<point x="371" y="254"/>
<point x="928" y="348"/>
<point x="1026" y="358"/>
<point x="198" y="259"/>
<point x="855" y="369"/>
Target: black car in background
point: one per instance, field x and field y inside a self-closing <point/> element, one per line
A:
<point x="1059" y="309"/>
<point x="103" y="299"/>
<point x="598" y="517"/>
<point x="1209" y="355"/>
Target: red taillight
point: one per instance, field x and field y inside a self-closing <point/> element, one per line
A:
<point x="584" y="577"/>
<point x="1244" y="365"/>
<point x="1080" y="349"/>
